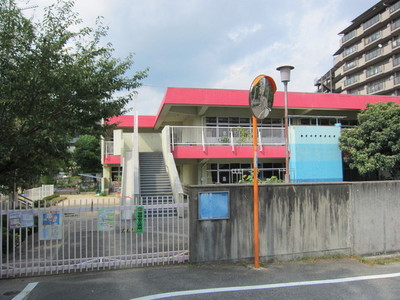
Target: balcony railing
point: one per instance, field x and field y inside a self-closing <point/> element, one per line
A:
<point x="225" y="136"/>
<point x="108" y="148"/>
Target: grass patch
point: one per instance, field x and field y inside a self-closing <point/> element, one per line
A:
<point x="312" y="259"/>
<point x="324" y="258"/>
<point x="379" y="260"/>
<point x="49" y="200"/>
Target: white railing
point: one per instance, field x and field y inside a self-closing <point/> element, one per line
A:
<point x="108" y="148"/>
<point x="176" y="184"/>
<point x="228" y="136"/>
<point x="40" y="192"/>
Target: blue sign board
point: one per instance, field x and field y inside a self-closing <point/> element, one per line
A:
<point x="213" y="205"/>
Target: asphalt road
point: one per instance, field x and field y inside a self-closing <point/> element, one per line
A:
<point x="326" y="279"/>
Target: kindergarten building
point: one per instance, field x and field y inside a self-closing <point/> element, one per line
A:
<point x="204" y="136"/>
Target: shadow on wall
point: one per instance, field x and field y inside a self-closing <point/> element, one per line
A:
<point x="297" y="221"/>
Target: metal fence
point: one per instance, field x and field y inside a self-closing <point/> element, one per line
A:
<point x="92" y="234"/>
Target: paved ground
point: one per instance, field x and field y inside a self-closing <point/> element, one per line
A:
<point x="327" y="279"/>
<point x="77" y="198"/>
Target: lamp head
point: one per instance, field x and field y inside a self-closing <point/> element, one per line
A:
<point x="285" y="72"/>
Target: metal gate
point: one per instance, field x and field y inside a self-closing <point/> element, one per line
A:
<point x="92" y="234"/>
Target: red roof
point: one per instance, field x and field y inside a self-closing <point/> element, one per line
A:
<point x="220" y="97"/>
<point x="127" y="121"/>
<point x="188" y="96"/>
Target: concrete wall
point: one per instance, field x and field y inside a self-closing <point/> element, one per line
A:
<point x="150" y="142"/>
<point x="189" y="174"/>
<point x="376" y="217"/>
<point x="299" y="220"/>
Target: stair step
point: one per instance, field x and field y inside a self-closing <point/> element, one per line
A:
<point x="154" y="179"/>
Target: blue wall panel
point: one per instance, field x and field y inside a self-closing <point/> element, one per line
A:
<point x="314" y="154"/>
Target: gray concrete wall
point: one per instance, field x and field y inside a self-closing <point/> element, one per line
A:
<point x="303" y="220"/>
<point x="299" y="220"/>
<point x="375" y="217"/>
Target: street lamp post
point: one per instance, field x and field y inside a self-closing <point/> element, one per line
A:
<point x="285" y="78"/>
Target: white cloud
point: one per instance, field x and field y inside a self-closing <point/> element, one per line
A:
<point x="221" y="44"/>
<point x="149" y="99"/>
<point x="242" y="32"/>
<point x="307" y="40"/>
<point x="240" y="74"/>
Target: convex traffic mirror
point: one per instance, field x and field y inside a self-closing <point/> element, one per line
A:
<point x="261" y="96"/>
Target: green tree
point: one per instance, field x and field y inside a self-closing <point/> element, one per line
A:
<point x="87" y="155"/>
<point x="374" y="145"/>
<point x="58" y="80"/>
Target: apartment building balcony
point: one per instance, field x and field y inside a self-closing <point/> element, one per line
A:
<point x="225" y="142"/>
<point x="394" y="10"/>
<point x="108" y="148"/>
<point x="109" y="158"/>
<point x="349" y="38"/>
<point x="375" y="23"/>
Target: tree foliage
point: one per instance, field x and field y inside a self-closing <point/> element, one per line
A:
<point x="57" y="81"/>
<point x="86" y="154"/>
<point x="374" y="145"/>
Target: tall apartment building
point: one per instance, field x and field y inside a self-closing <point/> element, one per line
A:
<point x="368" y="60"/>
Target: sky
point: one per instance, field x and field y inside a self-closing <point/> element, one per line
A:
<point x="219" y="43"/>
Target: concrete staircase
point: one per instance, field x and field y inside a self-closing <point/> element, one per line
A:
<point x="155" y="186"/>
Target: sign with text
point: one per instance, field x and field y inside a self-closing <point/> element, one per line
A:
<point x="50" y="225"/>
<point x="139" y="214"/>
<point x="105" y="220"/>
<point x="20" y="219"/>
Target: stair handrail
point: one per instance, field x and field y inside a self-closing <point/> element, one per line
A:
<point x="170" y="165"/>
<point x="25" y="201"/>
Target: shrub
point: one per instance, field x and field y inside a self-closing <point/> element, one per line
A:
<point x="49" y="200"/>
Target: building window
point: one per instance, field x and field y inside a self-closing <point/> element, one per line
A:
<point x="271" y="122"/>
<point x="375" y="86"/>
<point x="349" y="50"/>
<point x="351" y="79"/>
<point x="373" y="70"/>
<point x="372" y="37"/>
<point x="396" y="60"/>
<point x="396" y="42"/>
<point x="396" y="24"/>
<point x="349" y="65"/>
<point x="218" y="128"/>
<point x="349" y="35"/>
<point x="234" y="172"/>
<point x="353" y="92"/>
<point x="227" y="173"/>
<point x="308" y="121"/>
<point x="397" y="78"/>
<point x="348" y="123"/>
<point x="116" y="173"/>
<point x="373" y="53"/>
<point x="371" y="22"/>
<point x="267" y="170"/>
<point x="394" y="7"/>
<point x="241" y="122"/>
